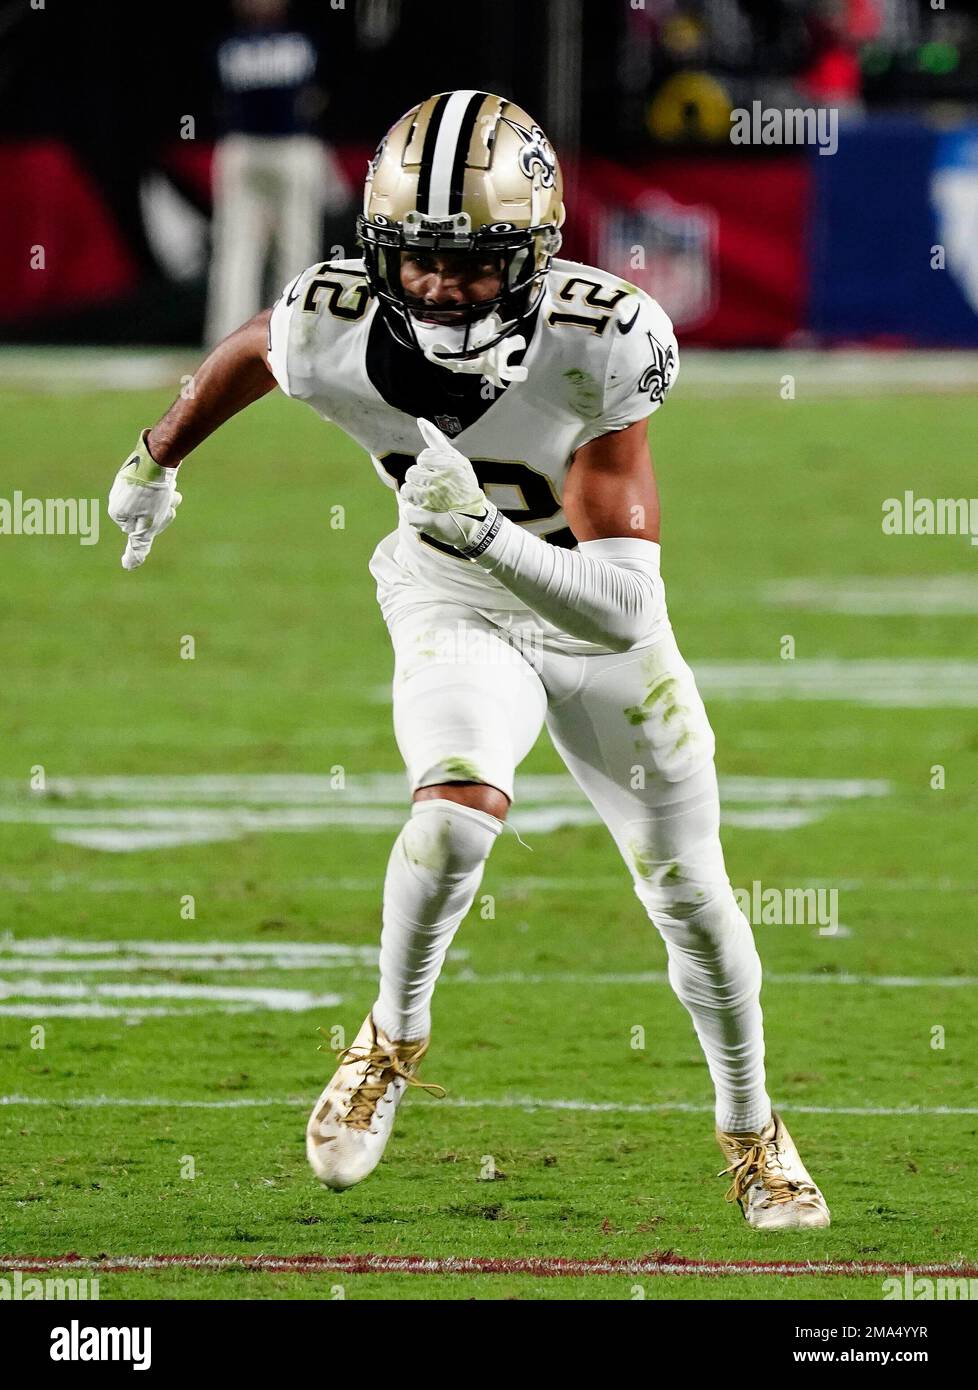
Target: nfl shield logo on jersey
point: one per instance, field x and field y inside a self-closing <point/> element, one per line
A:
<point x="449" y="424"/>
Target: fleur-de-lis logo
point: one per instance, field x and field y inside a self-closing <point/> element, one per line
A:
<point x="657" y="377"/>
<point x="537" y="153"/>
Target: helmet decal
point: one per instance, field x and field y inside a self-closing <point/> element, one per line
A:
<point x="537" y="152"/>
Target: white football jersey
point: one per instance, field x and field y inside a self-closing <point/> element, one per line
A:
<point x="601" y="354"/>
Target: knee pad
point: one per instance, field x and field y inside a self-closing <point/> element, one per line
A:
<point x="446" y="840"/>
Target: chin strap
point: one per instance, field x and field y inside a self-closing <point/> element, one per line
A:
<point x="493" y="364"/>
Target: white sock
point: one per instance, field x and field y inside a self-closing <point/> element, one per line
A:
<point x="715" y="971"/>
<point x="433" y="875"/>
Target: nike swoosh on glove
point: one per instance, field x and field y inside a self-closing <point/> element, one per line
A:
<point x="442" y="497"/>
<point x="143" y="501"/>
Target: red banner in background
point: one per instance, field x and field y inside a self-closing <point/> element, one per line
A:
<point x="722" y="245"/>
<point x="51" y="204"/>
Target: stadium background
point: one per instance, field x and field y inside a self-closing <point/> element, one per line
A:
<point x="759" y="246"/>
<point x="192" y="849"/>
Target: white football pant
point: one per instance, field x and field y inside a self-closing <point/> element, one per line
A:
<point x="470" y="700"/>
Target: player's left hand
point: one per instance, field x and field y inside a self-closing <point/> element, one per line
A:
<point x="441" y="494"/>
<point x="143" y="502"/>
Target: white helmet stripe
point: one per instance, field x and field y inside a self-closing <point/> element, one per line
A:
<point x="444" y="158"/>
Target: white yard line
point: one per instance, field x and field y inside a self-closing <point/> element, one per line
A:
<point x="710" y="374"/>
<point x="37" y="996"/>
<point x="80" y="946"/>
<point x="126" y="965"/>
<point x="48" y="955"/>
<point x="267" y="789"/>
<point x="129" y="841"/>
<point x="785" y="818"/>
<point x="77" y="371"/>
<point x="134" y="965"/>
<point x="294" y="1000"/>
<point x="387" y="789"/>
<point x="92" y="1009"/>
<point x="166" y="811"/>
<point x="193" y="818"/>
<point x="657" y="977"/>
<point x="486" y="1103"/>
<point x="82" y="883"/>
<point x="876" y="683"/>
<point x="707" y="373"/>
<point x="872" y="595"/>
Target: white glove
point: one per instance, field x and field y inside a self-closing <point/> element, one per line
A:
<point x="143" y="501"/>
<point x="442" y="497"/>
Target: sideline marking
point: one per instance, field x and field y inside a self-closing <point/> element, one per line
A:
<point x="545" y="1266"/>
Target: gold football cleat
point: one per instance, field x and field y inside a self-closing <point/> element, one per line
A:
<point x="769" y="1180"/>
<point x="352" y="1120"/>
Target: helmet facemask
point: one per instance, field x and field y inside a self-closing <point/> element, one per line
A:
<point x="524" y="256"/>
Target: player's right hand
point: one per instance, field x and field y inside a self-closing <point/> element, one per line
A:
<point x="143" y="501"/>
<point x="441" y="495"/>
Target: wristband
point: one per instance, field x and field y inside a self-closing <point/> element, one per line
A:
<point x="486" y="533"/>
<point x="147" y="470"/>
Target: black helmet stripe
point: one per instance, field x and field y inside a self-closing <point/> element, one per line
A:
<point x="450" y="151"/>
<point x="461" y="151"/>
<point x="428" y="151"/>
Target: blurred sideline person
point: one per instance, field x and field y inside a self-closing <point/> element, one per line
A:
<point x="273" y="177"/>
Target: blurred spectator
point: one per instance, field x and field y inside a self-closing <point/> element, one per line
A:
<point x="832" y="76"/>
<point x="273" y="178"/>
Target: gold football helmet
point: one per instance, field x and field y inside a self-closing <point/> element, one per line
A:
<point x="467" y="172"/>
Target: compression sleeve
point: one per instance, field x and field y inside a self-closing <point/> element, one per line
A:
<point x="606" y="591"/>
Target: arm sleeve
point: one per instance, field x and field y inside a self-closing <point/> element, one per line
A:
<point x="606" y="591"/>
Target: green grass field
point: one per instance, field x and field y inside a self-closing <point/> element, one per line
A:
<point x="212" y="1031"/>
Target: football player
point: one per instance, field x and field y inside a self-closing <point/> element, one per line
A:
<point x="504" y="396"/>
